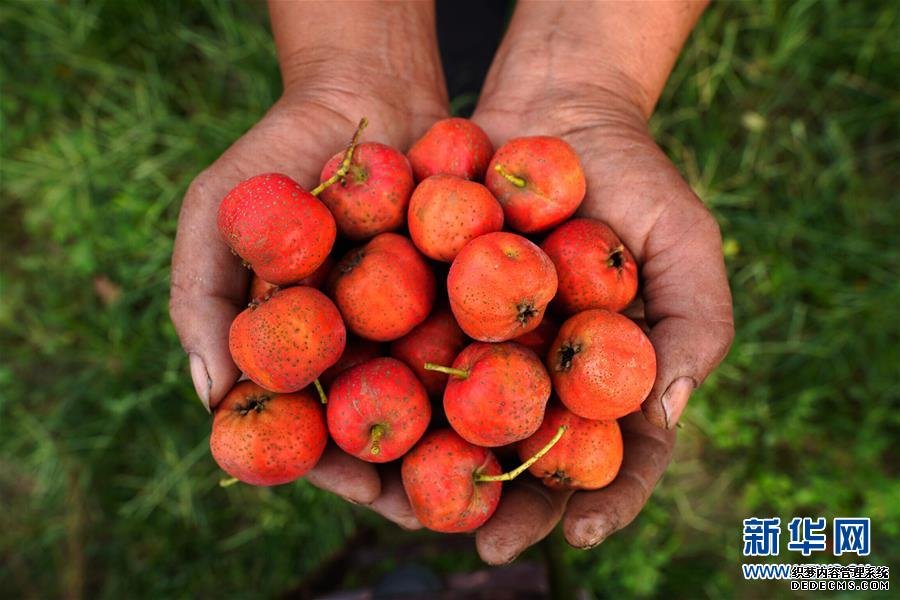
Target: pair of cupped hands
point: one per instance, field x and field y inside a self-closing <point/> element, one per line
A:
<point x="632" y="186"/>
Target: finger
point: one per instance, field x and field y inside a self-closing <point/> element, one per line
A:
<point x="392" y="503"/>
<point x="528" y="511"/>
<point x="592" y="516"/>
<point x="208" y="290"/>
<point x="687" y="303"/>
<point x="209" y="285"/>
<point x="348" y="477"/>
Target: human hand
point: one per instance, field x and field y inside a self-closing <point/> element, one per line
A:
<point x="327" y="90"/>
<point x="686" y="301"/>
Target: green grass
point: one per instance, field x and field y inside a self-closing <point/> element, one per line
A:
<point x="784" y="116"/>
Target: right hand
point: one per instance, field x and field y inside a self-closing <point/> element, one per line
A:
<point x="314" y="119"/>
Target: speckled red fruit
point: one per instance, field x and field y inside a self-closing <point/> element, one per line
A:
<point x="453" y="147"/>
<point x="284" y="342"/>
<point x="377" y="410"/>
<point x="439" y="479"/>
<point x="587" y="457"/>
<point x="552" y="182"/>
<point x="282" y="231"/>
<point x="374" y="195"/>
<point x="438" y="340"/>
<point x="383" y="289"/>
<point x="446" y="212"/>
<point x="358" y="350"/>
<point x="259" y="288"/>
<point x="595" y="268"/>
<point x="539" y="339"/>
<point x="264" y="438"/>
<point x="602" y="365"/>
<point x="502" y="399"/>
<point x="499" y="286"/>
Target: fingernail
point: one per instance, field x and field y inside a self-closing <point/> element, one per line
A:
<point x="591" y="532"/>
<point x="201" y="379"/>
<point x="676" y="398"/>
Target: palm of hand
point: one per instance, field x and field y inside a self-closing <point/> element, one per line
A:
<point x="685" y="299"/>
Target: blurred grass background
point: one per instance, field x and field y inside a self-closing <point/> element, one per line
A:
<point x="784" y="116"/>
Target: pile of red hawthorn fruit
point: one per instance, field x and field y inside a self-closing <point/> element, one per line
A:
<point x="489" y="356"/>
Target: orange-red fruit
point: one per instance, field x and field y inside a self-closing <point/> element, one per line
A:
<point x="358" y="350"/>
<point x="445" y="212"/>
<point x="595" y="268"/>
<point x="502" y="399"/>
<point x="383" y="289"/>
<point x="277" y="227"/>
<point x="438" y="340"/>
<point x="374" y="195"/>
<point x="499" y="286"/>
<point x="549" y="182"/>
<point x="538" y="340"/>
<point x="587" y="457"/>
<point x="602" y="365"/>
<point x="264" y="438"/>
<point x="259" y="288"/>
<point x="454" y="147"/>
<point x="377" y="410"/>
<point x="284" y="342"/>
<point x="439" y="479"/>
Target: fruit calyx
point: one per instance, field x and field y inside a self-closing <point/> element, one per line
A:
<point x="358" y="173"/>
<point x="616" y="259"/>
<point x="351" y="261"/>
<point x="567" y="354"/>
<point x="460" y="373"/>
<point x="517" y="181"/>
<point x="253" y="404"/>
<point x="525" y="311"/>
<point x="510" y="475"/>
<point x="560" y="477"/>
<point x="375" y="434"/>
<point x="342" y="171"/>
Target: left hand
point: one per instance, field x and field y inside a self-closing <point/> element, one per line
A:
<point x="636" y="190"/>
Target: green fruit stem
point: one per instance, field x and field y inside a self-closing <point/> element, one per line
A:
<point x="228" y="482"/>
<point x="480" y="477"/>
<point x="513" y="179"/>
<point x="321" y="391"/>
<point x="376" y="434"/>
<point x="345" y="164"/>
<point x="462" y="374"/>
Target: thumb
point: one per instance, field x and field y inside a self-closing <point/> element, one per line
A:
<point x="687" y="303"/>
<point x="209" y="285"/>
<point x="209" y="288"/>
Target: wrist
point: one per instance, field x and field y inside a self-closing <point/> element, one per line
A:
<point x="619" y="52"/>
<point x="367" y="55"/>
